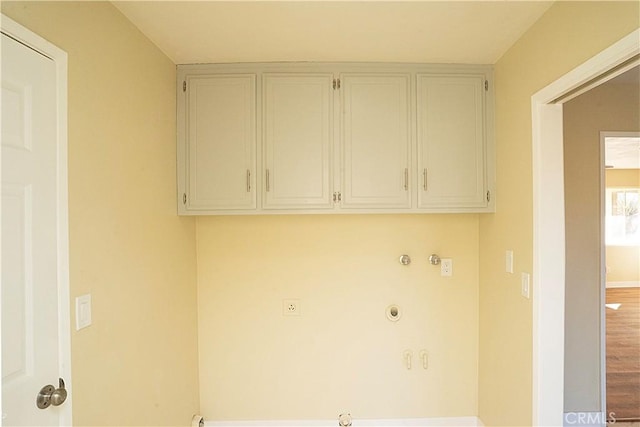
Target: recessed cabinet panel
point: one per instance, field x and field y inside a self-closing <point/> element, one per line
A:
<point x="376" y="140"/>
<point x="297" y="140"/>
<point x="221" y="141"/>
<point x="451" y="147"/>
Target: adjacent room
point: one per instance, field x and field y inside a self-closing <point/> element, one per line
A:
<point x="601" y="156"/>
<point x="364" y="274"/>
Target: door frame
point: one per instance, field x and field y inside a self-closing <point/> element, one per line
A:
<point x="28" y="38"/>
<point x="548" y="223"/>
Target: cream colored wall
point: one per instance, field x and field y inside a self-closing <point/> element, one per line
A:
<point x="623" y="262"/>
<point x="137" y="364"/>
<point x="567" y="35"/>
<point x="341" y="354"/>
<point x="609" y="107"/>
<point x="622" y="177"/>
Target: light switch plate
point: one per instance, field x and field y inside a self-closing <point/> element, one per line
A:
<point x="508" y="259"/>
<point x="83" y="311"/>
<point x="526" y="285"/>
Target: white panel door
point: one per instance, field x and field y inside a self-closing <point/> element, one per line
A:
<point x="451" y="140"/>
<point x="30" y="237"/>
<point x="221" y="142"/>
<point x="298" y="138"/>
<point x="376" y="140"/>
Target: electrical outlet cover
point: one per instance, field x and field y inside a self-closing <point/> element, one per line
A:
<point x="446" y="267"/>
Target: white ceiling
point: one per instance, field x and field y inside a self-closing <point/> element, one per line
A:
<point x="392" y="31"/>
<point x="622" y="152"/>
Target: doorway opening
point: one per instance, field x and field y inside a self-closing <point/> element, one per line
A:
<point x="620" y="197"/>
<point x="590" y="198"/>
<point x="549" y="221"/>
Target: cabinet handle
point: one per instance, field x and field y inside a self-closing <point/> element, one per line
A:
<point x="268" y="186"/>
<point x="248" y="181"/>
<point x="406" y="178"/>
<point x="424" y="179"/>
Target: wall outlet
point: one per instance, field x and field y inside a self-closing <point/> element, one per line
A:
<point x="291" y="307"/>
<point x="446" y="267"/>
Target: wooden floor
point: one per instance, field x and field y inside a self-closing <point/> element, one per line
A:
<point x="623" y="353"/>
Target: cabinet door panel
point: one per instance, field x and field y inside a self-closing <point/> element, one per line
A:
<point x="298" y="135"/>
<point x="221" y="142"/>
<point x="451" y="141"/>
<point x="376" y="140"/>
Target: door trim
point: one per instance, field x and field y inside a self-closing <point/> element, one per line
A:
<point x="59" y="57"/>
<point x="548" y="225"/>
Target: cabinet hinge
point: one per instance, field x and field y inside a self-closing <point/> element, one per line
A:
<point x="488" y="196"/>
<point x="184" y="198"/>
<point x="184" y="86"/>
<point x="486" y="85"/>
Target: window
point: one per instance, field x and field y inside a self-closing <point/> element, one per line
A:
<point x="622" y="216"/>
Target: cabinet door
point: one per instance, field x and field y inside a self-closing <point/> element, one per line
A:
<point x="297" y="138"/>
<point x="451" y="140"/>
<point x="376" y="140"/>
<point x="221" y="142"/>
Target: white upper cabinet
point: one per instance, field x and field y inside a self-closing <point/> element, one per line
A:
<point x="451" y="141"/>
<point x="278" y="138"/>
<point x="220" y="143"/>
<point x="376" y="140"/>
<point x="297" y="132"/>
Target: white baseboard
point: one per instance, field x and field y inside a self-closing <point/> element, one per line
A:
<point x="399" y="422"/>
<point x="627" y="284"/>
<point x="585" y="419"/>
